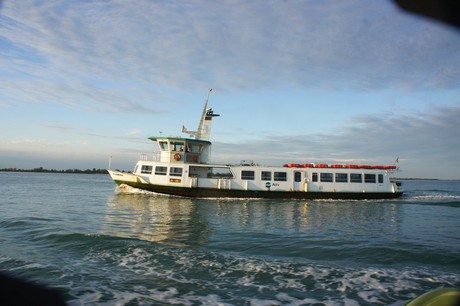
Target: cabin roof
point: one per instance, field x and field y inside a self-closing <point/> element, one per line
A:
<point x="157" y="138"/>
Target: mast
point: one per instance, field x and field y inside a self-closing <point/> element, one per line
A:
<point x="204" y="128"/>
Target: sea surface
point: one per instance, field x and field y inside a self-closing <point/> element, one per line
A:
<point x="101" y="246"/>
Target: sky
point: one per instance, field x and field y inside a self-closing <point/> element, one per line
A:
<point x="295" y="81"/>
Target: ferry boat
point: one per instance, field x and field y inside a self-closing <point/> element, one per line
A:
<point x="183" y="167"/>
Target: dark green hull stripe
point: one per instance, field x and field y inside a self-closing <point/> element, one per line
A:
<point x="225" y="193"/>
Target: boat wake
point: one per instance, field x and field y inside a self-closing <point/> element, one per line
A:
<point x="126" y="189"/>
<point x="196" y="277"/>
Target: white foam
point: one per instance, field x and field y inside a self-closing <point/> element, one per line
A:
<point x="4" y="259"/>
<point x="126" y="189"/>
<point x="436" y="197"/>
<point x="198" y="277"/>
<point x="29" y="266"/>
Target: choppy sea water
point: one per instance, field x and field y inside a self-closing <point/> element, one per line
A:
<point x="101" y="246"/>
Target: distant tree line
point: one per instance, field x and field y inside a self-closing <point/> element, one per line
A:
<point x="43" y="170"/>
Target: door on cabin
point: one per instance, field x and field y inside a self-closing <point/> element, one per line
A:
<point x="299" y="178"/>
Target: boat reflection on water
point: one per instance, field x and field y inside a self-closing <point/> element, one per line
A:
<point x="163" y="219"/>
<point x="183" y="222"/>
<point x="318" y="219"/>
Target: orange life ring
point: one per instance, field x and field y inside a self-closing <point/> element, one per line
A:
<point x="177" y="157"/>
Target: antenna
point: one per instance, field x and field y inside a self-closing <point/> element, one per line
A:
<point x="203" y="116"/>
<point x="209" y="93"/>
<point x="204" y="128"/>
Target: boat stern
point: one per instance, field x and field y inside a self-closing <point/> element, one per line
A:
<point x="397" y="187"/>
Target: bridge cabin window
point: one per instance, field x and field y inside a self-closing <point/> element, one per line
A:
<point x="369" y="178"/>
<point x="163" y="145"/>
<point x="175" y="171"/>
<point x="194" y="147"/>
<point x="247" y="175"/>
<point x="177" y="146"/>
<point x="160" y="170"/>
<point x="326" y="177"/>
<point x="280" y="176"/>
<point x="380" y="178"/>
<point x="314" y="177"/>
<point x="341" y="177"/>
<point x="356" y="178"/>
<point x="266" y="176"/>
<point x="146" y="169"/>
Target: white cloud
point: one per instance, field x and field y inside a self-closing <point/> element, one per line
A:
<point x="40" y="144"/>
<point x="88" y="52"/>
<point x="135" y="132"/>
<point x="143" y="56"/>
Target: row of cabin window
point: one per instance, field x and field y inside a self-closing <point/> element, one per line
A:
<point x="324" y="177"/>
<point x="160" y="170"/>
<point x="264" y="175"/>
<point x="343" y="177"/>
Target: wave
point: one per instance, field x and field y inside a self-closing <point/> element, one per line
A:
<point x="433" y="198"/>
<point x="81" y="241"/>
<point x="172" y="276"/>
<point x="436" y="197"/>
<point x="95" y="269"/>
<point x="126" y="189"/>
<point x="24" y="222"/>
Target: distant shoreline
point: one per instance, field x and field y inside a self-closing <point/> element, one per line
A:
<point x="44" y="170"/>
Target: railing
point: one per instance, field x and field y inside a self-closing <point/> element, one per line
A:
<point x="155" y="157"/>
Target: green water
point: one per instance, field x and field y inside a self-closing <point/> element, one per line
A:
<point x="76" y="233"/>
